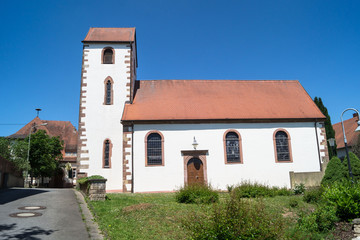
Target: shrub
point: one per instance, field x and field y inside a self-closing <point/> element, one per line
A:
<point x="196" y="193"/>
<point x="293" y="203"/>
<point x="236" y="219"/>
<point x="313" y="195"/>
<point x="230" y="188"/>
<point x="252" y="190"/>
<point x="85" y="179"/>
<point x="355" y="166"/>
<point x="299" y="189"/>
<point x="320" y="221"/>
<point x="335" y="172"/>
<point x="284" y="192"/>
<point x="345" y="196"/>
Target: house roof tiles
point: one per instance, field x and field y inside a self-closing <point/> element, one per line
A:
<point x="220" y="100"/>
<point x="351" y="136"/>
<point x="64" y="129"/>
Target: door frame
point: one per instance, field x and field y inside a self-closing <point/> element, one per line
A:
<point x="200" y="154"/>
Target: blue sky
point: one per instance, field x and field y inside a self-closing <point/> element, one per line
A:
<point x="315" y="42"/>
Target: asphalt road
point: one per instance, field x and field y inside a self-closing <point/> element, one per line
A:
<point x="61" y="219"/>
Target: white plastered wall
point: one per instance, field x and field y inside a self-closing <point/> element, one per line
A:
<point x="257" y="150"/>
<point x="103" y="121"/>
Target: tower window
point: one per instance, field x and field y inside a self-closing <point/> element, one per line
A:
<point x="107" y="154"/>
<point x="108" y="56"/>
<point x="108" y="94"/>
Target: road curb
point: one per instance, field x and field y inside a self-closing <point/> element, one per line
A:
<point x="91" y="225"/>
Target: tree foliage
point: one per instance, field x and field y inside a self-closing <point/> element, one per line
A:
<point x="355" y="166"/>
<point x="5" y="148"/>
<point x="356" y="147"/>
<point x="15" y="151"/>
<point x="45" y="153"/>
<point x="337" y="171"/>
<point x="330" y="132"/>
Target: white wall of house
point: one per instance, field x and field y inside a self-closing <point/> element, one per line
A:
<point x="257" y="147"/>
<point x="103" y="121"/>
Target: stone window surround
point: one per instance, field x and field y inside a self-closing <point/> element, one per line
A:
<point x="240" y="147"/>
<point x="162" y="149"/>
<point x="289" y="145"/>
<point x="110" y="153"/>
<point x="112" y="90"/>
<point x="113" y="55"/>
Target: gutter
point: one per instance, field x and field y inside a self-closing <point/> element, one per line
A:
<point x="317" y="144"/>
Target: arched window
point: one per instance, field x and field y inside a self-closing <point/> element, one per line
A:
<point x="232" y="145"/>
<point x="282" y="146"/>
<point x="108" y="96"/>
<point x="154" y="148"/>
<point x="107" y="56"/>
<point x="107" y="154"/>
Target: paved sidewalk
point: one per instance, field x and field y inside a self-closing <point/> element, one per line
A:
<point x="60" y="219"/>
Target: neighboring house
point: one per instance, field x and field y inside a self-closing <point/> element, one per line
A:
<point x="62" y="129"/>
<point x="139" y="134"/>
<point x="351" y="136"/>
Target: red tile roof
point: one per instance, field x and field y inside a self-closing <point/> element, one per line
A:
<point x="351" y="136"/>
<point x="64" y="129"/>
<point x="220" y="100"/>
<point x="110" y="35"/>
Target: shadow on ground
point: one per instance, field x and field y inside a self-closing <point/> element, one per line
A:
<point x="12" y="194"/>
<point x="8" y="232"/>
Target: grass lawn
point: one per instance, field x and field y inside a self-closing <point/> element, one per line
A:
<point x="159" y="216"/>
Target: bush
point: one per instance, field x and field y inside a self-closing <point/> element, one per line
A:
<point x="320" y="221"/>
<point x="335" y="171"/>
<point x="236" y="219"/>
<point x="252" y="190"/>
<point x="197" y="193"/>
<point x="355" y="166"/>
<point x="345" y="197"/>
<point x="293" y="203"/>
<point x="313" y="195"/>
<point x="85" y="179"/>
<point x="299" y="189"/>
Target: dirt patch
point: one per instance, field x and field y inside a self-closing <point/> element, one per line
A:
<point x="343" y="231"/>
<point x="136" y="207"/>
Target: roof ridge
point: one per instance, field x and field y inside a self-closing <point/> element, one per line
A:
<point x="244" y="80"/>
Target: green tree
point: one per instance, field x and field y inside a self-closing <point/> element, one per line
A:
<point x="356" y="147"/>
<point x="330" y="132"/>
<point x="45" y="153"/>
<point x="355" y="166"/>
<point x="15" y="151"/>
<point x="335" y="172"/>
<point x="5" y="148"/>
<point x="19" y="152"/>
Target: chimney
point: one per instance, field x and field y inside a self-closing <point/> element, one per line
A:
<point x="356" y="115"/>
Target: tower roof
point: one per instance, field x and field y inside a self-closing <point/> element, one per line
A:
<point x="110" y="35"/>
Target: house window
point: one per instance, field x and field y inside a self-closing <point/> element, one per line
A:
<point x="154" y="147"/>
<point x="107" y="56"/>
<point x="282" y="146"/>
<point x="107" y="154"/>
<point x="232" y="147"/>
<point x="108" y="96"/>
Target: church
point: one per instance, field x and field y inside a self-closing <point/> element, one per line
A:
<point x="159" y="135"/>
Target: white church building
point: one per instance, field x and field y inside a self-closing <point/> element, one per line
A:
<point x="141" y="135"/>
